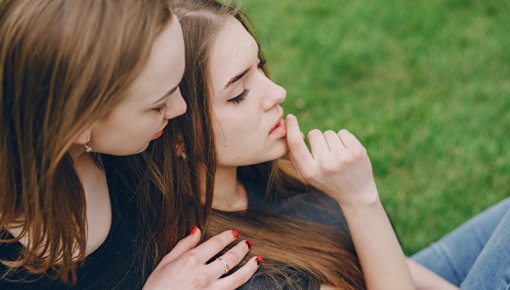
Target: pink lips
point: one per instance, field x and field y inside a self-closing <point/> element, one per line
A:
<point x="157" y="135"/>
<point x="279" y="130"/>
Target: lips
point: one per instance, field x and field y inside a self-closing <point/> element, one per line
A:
<point x="157" y="135"/>
<point x="279" y="129"/>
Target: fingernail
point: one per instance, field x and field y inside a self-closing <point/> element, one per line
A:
<point x="259" y="260"/>
<point x="235" y="233"/>
<point x="290" y="116"/>
<point x="193" y="230"/>
<point x="249" y="243"/>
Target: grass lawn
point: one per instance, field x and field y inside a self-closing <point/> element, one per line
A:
<point x="424" y="85"/>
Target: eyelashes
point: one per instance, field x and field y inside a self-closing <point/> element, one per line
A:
<point x="160" y="109"/>
<point x="241" y="97"/>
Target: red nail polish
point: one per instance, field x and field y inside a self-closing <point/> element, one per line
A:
<point x="193" y="230"/>
<point x="259" y="260"/>
<point x="235" y="233"/>
<point x="249" y="243"/>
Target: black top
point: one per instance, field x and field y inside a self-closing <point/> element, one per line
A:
<point x="315" y="207"/>
<point x="116" y="264"/>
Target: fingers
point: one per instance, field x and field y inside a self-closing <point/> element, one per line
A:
<point x="349" y="140"/>
<point x="318" y="145"/>
<point x="241" y="276"/>
<point x="334" y="142"/>
<point x="183" y="246"/>
<point x="230" y="259"/>
<point x="211" y="247"/>
<point x="297" y="147"/>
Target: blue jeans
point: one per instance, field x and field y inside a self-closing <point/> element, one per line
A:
<point x="476" y="255"/>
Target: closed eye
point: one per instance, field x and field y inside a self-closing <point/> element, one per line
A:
<point x="241" y="97"/>
<point x="160" y="109"/>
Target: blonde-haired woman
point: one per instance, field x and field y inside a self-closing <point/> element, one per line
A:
<point x="81" y="81"/>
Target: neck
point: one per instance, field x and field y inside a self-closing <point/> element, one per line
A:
<point x="78" y="153"/>
<point x="85" y="166"/>
<point x="229" y="194"/>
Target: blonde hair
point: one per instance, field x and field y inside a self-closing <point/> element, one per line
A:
<point x="63" y="65"/>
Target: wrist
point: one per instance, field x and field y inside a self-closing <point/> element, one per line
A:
<point x="370" y="204"/>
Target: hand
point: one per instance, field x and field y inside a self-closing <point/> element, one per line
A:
<point x="337" y="165"/>
<point x="185" y="267"/>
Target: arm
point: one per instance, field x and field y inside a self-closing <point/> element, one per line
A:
<point x="339" y="166"/>
<point x="379" y="252"/>
<point x="424" y="279"/>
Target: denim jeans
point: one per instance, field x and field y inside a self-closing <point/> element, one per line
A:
<point x="476" y="255"/>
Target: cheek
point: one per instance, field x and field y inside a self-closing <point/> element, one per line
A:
<point x="239" y="139"/>
<point x="234" y="127"/>
<point x="129" y="128"/>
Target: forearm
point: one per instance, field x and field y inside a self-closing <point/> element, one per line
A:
<point x="424" y="279"/>
<point x="382" y="259"/>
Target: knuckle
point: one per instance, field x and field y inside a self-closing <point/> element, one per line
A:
<point x="329" y="167"/>
<point x="192" y="258"/>
<point x="360" y="153"/>
<point x="231" y="258"/>
<point x="294" y="144"/>
<point x="308" y="175"/>
<point x="346" y="159"/>
<point x="218" y="243"/>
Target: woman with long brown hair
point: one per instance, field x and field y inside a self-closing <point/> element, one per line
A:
<point x="81" y="82"/>
<point x="238" y="133"/>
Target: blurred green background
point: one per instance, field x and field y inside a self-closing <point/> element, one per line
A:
<point x="424" y="85"/>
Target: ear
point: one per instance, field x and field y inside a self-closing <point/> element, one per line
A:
<point x="84" y="137"/>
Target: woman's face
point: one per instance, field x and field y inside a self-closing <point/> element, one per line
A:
<point x="152" y="99"/>
<point x="246" y="113"/>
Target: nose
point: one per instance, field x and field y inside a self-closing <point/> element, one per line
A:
<point x="275" y="93"/>
<point x="176" y="106"/>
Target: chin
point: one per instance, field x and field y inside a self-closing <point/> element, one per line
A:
<point x="138" y="150"/>
<point x="277" y="152"/>
<point x="143" y="149"/>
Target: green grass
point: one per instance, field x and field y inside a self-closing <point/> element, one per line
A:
<point x="423" y="84"/>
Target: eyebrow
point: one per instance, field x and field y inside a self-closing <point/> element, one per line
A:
<point x="171" y="91"/>
<point x="236" y="78"/>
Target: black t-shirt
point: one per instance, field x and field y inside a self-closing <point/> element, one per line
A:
<point x="314" y="207"/>
<point x="116" y="264"/>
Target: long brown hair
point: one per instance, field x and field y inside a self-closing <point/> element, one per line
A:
<point x="64" y="65"/>
<point x="285" y="243"/>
